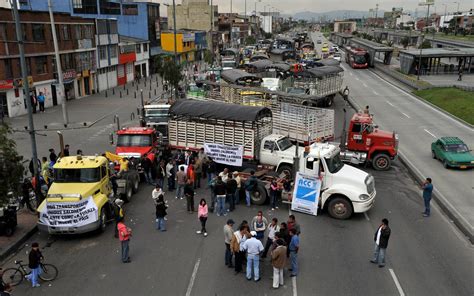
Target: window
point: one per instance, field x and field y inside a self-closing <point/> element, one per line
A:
<point x="113" y="27"/>
<point x="138" y="49"/>
<point x="84" y="6"/>
<point x="102" y="52"/>
<point x="103" y="171"/>
<point x="3" y="31"/>
<point x="37" y="32"/>
<point x="356" y="128"/>
<point x="78" y="30"/>
<point x="101" y="27"/>
<point x="113" y="51"/>
<point x="65" y="32"/>
<point x="7" y="63"/>
<point x="269" y="145"/>
<point x="67" y="61"/>
<point x="129" y="68"/>
<point x="41" y="65"/>
<point x="145" y="47"/>
<point x="87" y="32"/>
<point x="109" y="7"/>
<point x="130" y="9"/>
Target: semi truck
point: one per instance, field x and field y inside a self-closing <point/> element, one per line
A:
<point x="156" y="116"/>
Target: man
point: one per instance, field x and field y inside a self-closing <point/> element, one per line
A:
<point x="52" y="156"/>
<point x="381" y="242"/>
<point x="220" y="192"/>
<point x="293" y="225"/>
<point x="278" y="263"/>
<point x="170" y="174"/>
<point x="124" y="236"/>
<point x="156" y="193"/>
<point x="294" y="248"/>
<point x="79" y="152"/>
<point x="211" y="171"/>
<point x="41" y="100"/>
<point x="189" y="193"/>
<point x="34" y="260"/>
<point x="66" y="150"/>
<point x="250" y="186"/>
<point x="427" y="192"/>
<point x="119" y="214"/>
<point x="272" y="229"/>
<point x="45" y="169"/>
<point x="231" y="187"/>
<point x="181" y="181"/>
<point x="228" y="234"/>
<point x="34" y="101"/>
<point x="253" y="247"/>
<point x="146" y="164"/>
<point x="235" y="246"/>
<point x="259" y="225"/>
<point x="237" y="192"/>
<point x="224" y="175"/>
<point x="366" y="110"/>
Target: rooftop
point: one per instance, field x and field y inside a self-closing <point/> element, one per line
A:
<point x="440" y="52"/>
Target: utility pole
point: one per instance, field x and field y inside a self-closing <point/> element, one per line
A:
<point x="210" y="31"/>
<point x="419" y="59"/>
<point x="26" y="88"/>
<point x="58" y="64"/>
<point x="175" y="44"/>
<point x="245" y="8"/>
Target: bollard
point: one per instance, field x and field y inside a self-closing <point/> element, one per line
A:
<point x="113" y="91"/>
<point x="149" y="95"/>
<point x="127" y="91"/>
<point x="124" y="86"/>
<point x="133" y="83"/>
<point x="134" y="94"/>
<point x="145" y="81"/>
<point x="150" y="86"/>
<point x="155" y="91"/>
<point x="120" y="94"/>
<point x="106" y="94"/>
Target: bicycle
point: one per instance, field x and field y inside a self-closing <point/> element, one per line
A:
<point x="14" y="276"/>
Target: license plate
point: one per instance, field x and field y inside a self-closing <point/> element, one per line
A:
<point x="463" y="167"/>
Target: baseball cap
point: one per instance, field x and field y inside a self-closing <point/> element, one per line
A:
<point x="230" y="221"/>
<point x="253" y="233"/>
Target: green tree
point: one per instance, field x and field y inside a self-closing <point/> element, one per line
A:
<point x="172" y="73"/>
<point x="405" y="41"/>
<point x="250" y="40"/>
<point x="158" y="65"/>
<point x="208" y="56"/>
<point x="11" y="169"/>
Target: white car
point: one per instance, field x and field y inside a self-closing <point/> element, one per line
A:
<point x="335" y="48"/>
<point x="337" y="56"/>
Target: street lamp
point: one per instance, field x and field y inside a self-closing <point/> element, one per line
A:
<point x="419" y="59"/>
<point x="175" y="42"/>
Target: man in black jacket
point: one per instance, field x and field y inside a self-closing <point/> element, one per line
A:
<point x="34" y="260"/>
<point x="381" y="242"/>
<point x="231" y="187"/>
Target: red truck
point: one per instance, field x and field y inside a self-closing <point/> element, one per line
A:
<point x="366" y="143"/>
<point x="137" y="141"/>
<point x="357" y="58"/>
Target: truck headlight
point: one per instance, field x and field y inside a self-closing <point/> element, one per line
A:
<point x="364" y="197"/>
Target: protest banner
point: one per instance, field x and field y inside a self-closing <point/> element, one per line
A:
<point x="225" y="154"/>
<point x="69" y="214"/>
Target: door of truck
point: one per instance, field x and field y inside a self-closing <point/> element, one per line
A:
<point x="269" y="153"/>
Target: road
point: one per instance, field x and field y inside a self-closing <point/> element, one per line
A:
<point x="418" y="125"/>
<point x="424" y="257"/>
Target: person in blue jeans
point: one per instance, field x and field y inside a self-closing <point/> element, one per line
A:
<point x="294" y="247"/>
<point x="250" y="186"/>
<point x="161" y="213"/>
<point x="220" y="192"/>
<point x="381" y="242"/>
<point x="253" y="247"/>
<point x="34" y="260"/>
<point x="427" y="192"/>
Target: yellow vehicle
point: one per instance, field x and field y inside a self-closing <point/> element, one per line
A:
<point x="325" y="49"/>
<point x="79" y="200"/>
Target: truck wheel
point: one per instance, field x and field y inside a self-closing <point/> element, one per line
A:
<point x="329" y="101"/>
<point x="340" y="208"/>
<point x="381" y="162"/>
<point x="259" y="196"/>
<point x="136" y="184"/>
<point x="127" y="196"/>
<point x="102" y="219"/>
<point x="285" y="168"/>
<point x="9" y="231"/>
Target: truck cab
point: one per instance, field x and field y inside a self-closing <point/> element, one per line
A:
<point x="367" y="142"/>
<point x="278" y="151"/>
<point x="137" y="141"/>
<point x="156" y="116"/>
<point x="79" y="199"/>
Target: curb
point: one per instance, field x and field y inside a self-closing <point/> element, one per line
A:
<point x="448" y="209"/>
<point x="18" y="243"/>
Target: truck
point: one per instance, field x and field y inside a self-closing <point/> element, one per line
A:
<point x="357" y="58"/>
<point x="366" y="143"/>
<point x="137" y="141"/>
<point x="80" y="199"/>
<point x="156" y="116"/>
<point x="345" y="190"/>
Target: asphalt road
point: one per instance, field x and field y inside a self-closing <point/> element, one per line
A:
<point x="418" y="125"/>
<point x="424" y="257"/>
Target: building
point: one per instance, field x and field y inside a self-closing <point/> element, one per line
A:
<point x="107" y="40"/>
<point x="133" y="59"/>
<point x="185" y="45"/>
<point x="404" y="20"/>
<point x="345" y="26"/>
<point x="193" y="15"/>
<point x="77" y="49"/>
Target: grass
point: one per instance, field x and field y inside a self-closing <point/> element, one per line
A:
<point x="458" y="102"/>
<point x="414" y="79"/>
<point x="453" y="37"/>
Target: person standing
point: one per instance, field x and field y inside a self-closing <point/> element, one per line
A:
<point x="171" y="174"/>
<point x="273" y="194"/>
<point x="146" y="165"/>
<point x="124" y="236"/>
<point x="181" y="180"/>
<point x="224" y="175"/>
<point x="160" y="174"/>
<point x="190" y="175"/>
<point x="231" y="187"/>
<point x="156" y="193"/>
<point x="160" y="208"/>
<point x="294" y="248"/>
<point x="41" y="100"/>
<point x="211" y="171"/>
<point x="228" y="234"/>
<point x="202" y="216"/>
<point x="34" y="101"/>
<point x="250" y="186"/>
<point x="427" y="187"/>
<point x="292" y="224"/>
<point x="381" y="242"/>
<point x="272" y="229"/>
<point x="197" y="173"/>
<point x="235" y="246"/>
<point x="239" y="185"/>
<point x="220" y="191"/>
<point x="189" y="193"/>
<point x="259" y="224"/>
<point x="278" y="263"/>
<point x="119" y="214"/>
<point x="34" y="260"/>
<point x="66" y="150"/>
<point x="52" y="156"/>
<point x="253" y="247"/>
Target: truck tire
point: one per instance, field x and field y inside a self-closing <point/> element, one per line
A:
<point x="340" y="208"/>
<point x="127" y="196"/>
<point x="381" y="162"/>
<point x="259" y="196"/>
<point x="136" y="183"/>
<point x="329" y="101"/>
<point x="285" y="168"/>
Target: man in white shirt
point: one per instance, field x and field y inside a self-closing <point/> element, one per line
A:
<point x="224" y="175"/>
<point x="272" y="229"/>
<point x="156" y="193"/>
<point x="253" y="247"/>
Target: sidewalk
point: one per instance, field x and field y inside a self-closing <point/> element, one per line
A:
<point x="26" y="227"/>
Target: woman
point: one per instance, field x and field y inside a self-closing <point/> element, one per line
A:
<point x="161" y="213"/>
<point x="202" y="216"/>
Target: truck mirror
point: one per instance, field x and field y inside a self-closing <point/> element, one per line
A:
<point x="111" y="138"/>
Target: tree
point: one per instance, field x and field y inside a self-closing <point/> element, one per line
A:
<point x="158" y="65"/>
<point x="208" y="56"/>
<point x="425" y="44"/>
<point x="250" y="40"/>
<point x="405" y="41"/>
<point x="11" y="168"/>
<point x="172" y="73"/>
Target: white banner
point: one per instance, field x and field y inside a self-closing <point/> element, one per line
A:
<point x="225" y="154"/>
<point x="306" y="194"/>
<point x="69" y="214"/>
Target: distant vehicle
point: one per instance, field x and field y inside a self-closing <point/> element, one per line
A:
<point x="319" y="41"/>
<point x="325" y="49"/>
<point x="325" y="44"/>
<point x="452" y="152"/>
<point x="272" y="84"/>
<point x="357" y="58"/>
<point x="337" y="56"/>
<point x="335" y="48"/>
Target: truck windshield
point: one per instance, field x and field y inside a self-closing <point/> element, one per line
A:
<point x="228" y="64"/>
<point x="334" y="163"/>
<point x="77" y="175"/>
<point x="284" y="144"/>
<point x="134" y="141"/>
<point x="156" y="112"/>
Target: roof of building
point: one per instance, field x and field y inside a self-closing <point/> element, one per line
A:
<point x="371" y="44"/>
<point x="131" y="40"/>
<point x="440" y="52"/>
<point x="217" y="110"/>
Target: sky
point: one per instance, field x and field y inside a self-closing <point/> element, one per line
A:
<point x="293" y="6"/>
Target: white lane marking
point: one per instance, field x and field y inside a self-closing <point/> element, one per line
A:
<point x="376" y="93"/>
<point x="365" y="85"/>
<point x="430" y="133"/>
<point x="366" y="216"/>
<point x="397" y="283"/>
<point x="406" y="115"/>
<point x="295" y="290"/>
<point x="390" y="103"/>
<point x="193" y="277"/>
<point x="357" y="78"/>
<point x="350" y="73"/>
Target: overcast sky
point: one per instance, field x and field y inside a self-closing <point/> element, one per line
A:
<point x="293" y="6"/>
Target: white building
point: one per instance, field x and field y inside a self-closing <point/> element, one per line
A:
<point x="107" y="40"/>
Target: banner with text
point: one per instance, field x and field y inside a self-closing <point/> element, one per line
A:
<point x="69" y="214"/>
<point x="306" y="194"/>
<point x="225" y="154"/>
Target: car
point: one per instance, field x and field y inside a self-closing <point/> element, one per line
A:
<point x="452" y="152"/>
<point x="337" y="56"/>
<point x="319" y="41"/>
<point x="325" y="49"/>
<point x="335" y="48"/>
<point x="325" y="44"/>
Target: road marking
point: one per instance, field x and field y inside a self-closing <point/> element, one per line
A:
<point x="397" y="283"/>
<point x="295" y="290"/>
<point x="430" y="133"/>
<point x="193" y="277"/>
<point x="357" y="78"/>
<point x="376" y="93"/>
<point x="366" y="216"/>
<point x="406" y="115"/>
<point x="365" y="85"/>
<point x="350" y="73"/>
<point x="390" y="103"/>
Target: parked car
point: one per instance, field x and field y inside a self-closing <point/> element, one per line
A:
<point x="319" y="41"/>
<point x="452" y="152"/>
